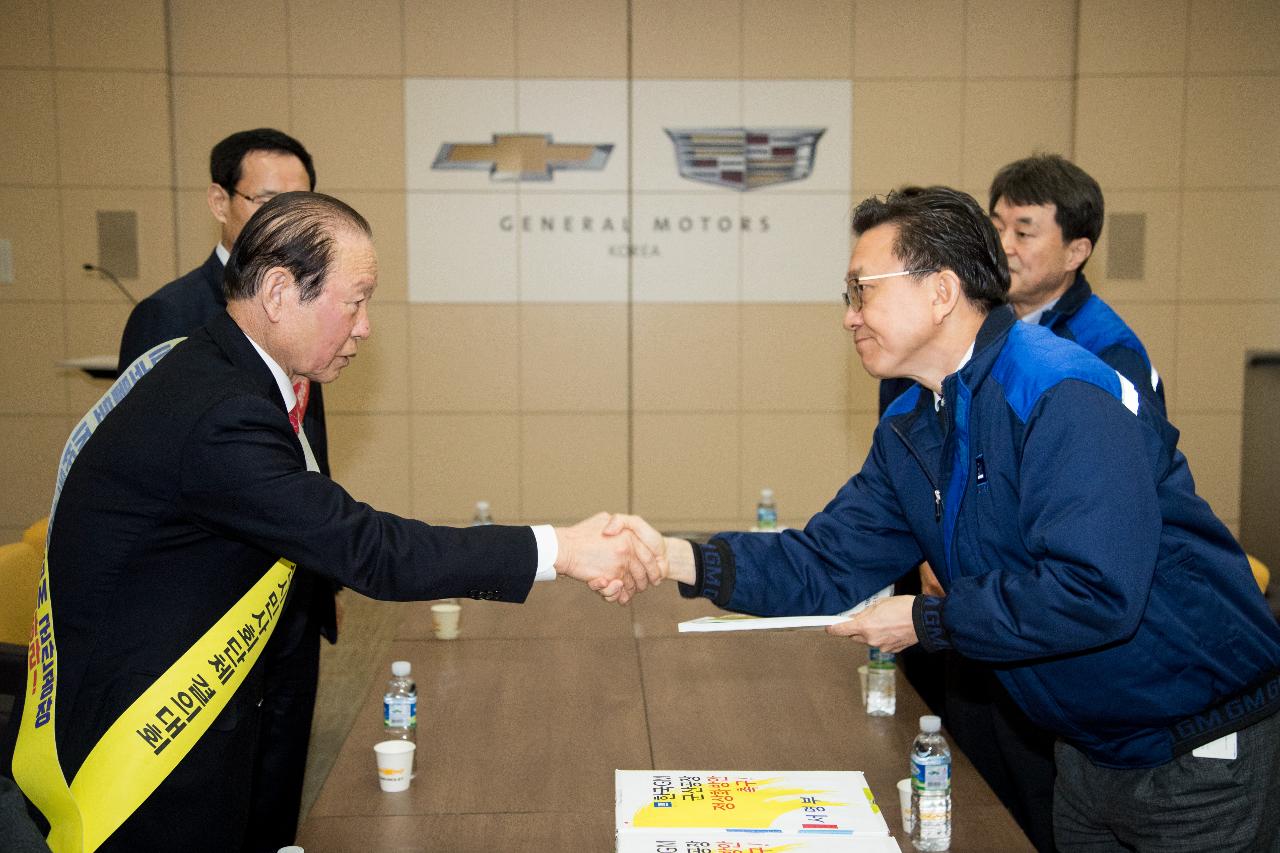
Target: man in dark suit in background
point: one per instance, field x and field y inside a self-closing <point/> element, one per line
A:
<point x="248" y="169"/>
<point x="198" y="479"/>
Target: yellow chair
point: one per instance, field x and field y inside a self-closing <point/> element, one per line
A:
<point x="1260" y="573"/>
<point x="19" y="572"/>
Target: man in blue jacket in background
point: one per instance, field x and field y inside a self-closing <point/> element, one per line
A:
<point x="1048" y="494"/>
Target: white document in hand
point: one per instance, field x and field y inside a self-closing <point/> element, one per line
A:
<point x="743" y="622"/>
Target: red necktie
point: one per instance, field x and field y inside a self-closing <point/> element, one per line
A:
<point x="301" y="390"/>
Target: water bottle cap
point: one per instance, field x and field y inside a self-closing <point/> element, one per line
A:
<point x="482" y="506"/>
<point x="292" y="848"/>
<point x="766" y="495"/>
<point x="401" y="668"/>
<point x="930" y="723"/>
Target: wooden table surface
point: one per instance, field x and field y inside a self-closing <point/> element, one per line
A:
<point x="524" y="718"/>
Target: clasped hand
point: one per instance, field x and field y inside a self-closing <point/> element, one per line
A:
<point x="612" y="560"/>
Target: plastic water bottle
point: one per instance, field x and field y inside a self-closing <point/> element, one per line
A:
<point x="482" y="515"/>
<point x="882" y="683"/>
<point x="766" y="511"/>
<point x="400" y="706"/>
<point x="931" y="787"/>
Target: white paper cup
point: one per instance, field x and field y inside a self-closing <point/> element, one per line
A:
<point x="862" y="679"/>
<point x="395" y="761"/>
<point x="904" y="800"/>
<point x="444" y="618"/>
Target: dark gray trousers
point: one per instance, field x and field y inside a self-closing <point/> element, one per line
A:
<point x="1189" y="805"/>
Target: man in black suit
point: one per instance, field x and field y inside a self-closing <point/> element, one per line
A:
<point x="198" y="480"/>
<point x="248" y="169"/>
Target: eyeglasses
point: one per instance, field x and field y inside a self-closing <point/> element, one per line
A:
<point x="855" y="286"/>
<point x="256" y="200"/>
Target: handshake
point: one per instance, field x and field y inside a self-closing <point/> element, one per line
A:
<point x="620" y="555"/>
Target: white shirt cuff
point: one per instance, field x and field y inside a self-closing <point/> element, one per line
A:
<point x="548" y="551"/>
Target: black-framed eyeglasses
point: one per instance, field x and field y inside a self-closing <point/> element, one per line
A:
<point x="256" y="200"/>
<point x="855" y="285"/>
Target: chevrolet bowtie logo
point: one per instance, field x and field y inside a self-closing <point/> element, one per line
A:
<point x="521" y="156"/>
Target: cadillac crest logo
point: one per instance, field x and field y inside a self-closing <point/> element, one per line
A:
<point x="521" y="156"/>
<point x="743" y="158"/>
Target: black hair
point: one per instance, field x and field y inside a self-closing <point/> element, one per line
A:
<point x="296" y="231"/>
<point x="1051" y="179"/>
<point x="227" y="157"/>
<point x="941" y="228"/>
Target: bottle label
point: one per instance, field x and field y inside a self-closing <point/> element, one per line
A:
<point x="766" y="518"/>
<point x="400" y="712"/>
<point x="881" y="659"/>
<point x="931" y="774"/>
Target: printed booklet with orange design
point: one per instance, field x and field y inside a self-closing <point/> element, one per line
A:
<point x="707" y="811"/>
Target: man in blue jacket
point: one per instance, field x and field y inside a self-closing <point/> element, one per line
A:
<point x="1050" y="498"/>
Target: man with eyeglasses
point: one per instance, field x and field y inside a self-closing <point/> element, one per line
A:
<point x="1062" y="521"/>
<point x="248" y="169"/>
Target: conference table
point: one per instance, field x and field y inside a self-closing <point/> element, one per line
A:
<point x="523" y="719"/>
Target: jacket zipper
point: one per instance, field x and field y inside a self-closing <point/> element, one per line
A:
<point x="937" y="493"/>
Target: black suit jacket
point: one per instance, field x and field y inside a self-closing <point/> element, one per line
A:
<point x="186" y="493"/>
<point x="179" y="308"/>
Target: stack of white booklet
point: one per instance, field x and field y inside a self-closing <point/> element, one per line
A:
<point x="743" y="622"/>
<point x="708" y="811"/>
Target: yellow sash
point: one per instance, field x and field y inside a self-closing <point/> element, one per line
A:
<point x="141" y="748"/>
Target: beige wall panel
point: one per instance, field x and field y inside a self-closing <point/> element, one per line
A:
<point x="804" y="458"/>
<point x="1129" y="131"/>
<point x="354" y="130"/>
<point x="1023" y="39"/>
<point x="1134" y="37"/>
<point x="1235" y="35"/>
<point x="92" y="329"/>
<point x="906" y="133"/>
<point x="464" y="357"/>
<point x="1229" y="245"/>
<point x="1160" y="258"/>
<point x="461" y="459"/>
<point x="1211" y="443"/>
<point x="31" y="382"/>
<point x="385" y="213"/>
<point x="378" y="379"/>
<point x="1157" y="327"/>
<point x="802" y="39"/>
<point x="921" y="39"/>
<point x="572" y="466"/>
<point x="864" y="389"/>
<point x="29" y="465"/>
<point x="459" y="38"/>
<point x="795" y="356"/>
<point x="370" y="457"/>
<point x="1213" y="341"/>
<point x="676" y="40"/>
<point x="198" y="231"/>
<point x="573" y="357"/>
<point x="229" y="37"/>
<point x="333" y="37"/>
<point x="109" y="34"/>
<point x="209" y="109"/>
<point x="1233" y="131"/>
<point x="28" y="41"/>
<point x="29" y="134"/>
<point x="80" y="241"/>
<point x="686" y="467"/>
<point x="1010" y="119"/>
<point x="29" y="221"/>
<point x="862" y="429"/>
<point x="571" y="38"/>
<point x="113" y="129"/>
<point x="685" y="357"/>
